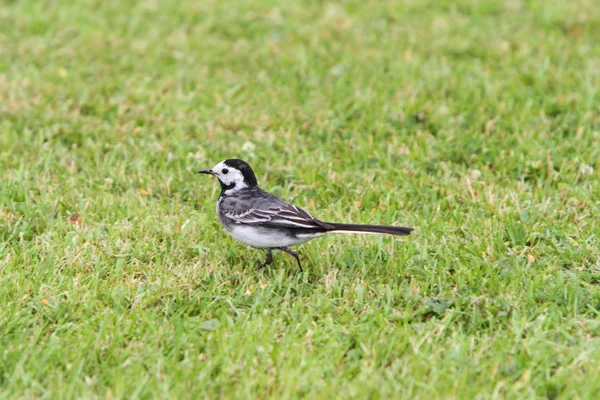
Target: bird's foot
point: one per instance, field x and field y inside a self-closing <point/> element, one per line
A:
<point x="294" y="254"/>
<point x="268" y="261"/>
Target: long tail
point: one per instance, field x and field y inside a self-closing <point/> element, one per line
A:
<point x="390" y="230"/>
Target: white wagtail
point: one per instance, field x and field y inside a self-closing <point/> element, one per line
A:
<point x="262" y="220"/>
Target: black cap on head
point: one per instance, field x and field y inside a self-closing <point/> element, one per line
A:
<point x="244" y="168"/>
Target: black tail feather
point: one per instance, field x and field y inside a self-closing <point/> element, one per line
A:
<point x="390" y="230"/>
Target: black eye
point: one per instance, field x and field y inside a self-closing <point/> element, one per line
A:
<point x="224" y="171"/>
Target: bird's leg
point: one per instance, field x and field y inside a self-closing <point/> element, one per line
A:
<point x="268" y="261"/>
<point x="293" y="253"/>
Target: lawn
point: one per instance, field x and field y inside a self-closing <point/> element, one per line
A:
<point x="475" y="122"/>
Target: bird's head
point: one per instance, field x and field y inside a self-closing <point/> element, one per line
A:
<point x="233" y="175"/>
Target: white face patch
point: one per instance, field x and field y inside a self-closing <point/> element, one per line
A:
<point x="229" y="176"/>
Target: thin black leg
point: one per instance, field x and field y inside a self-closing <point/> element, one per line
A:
<point x="293" y="253"/>
<point x="268" y="261"/>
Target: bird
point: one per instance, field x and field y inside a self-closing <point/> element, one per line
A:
<point x="262" y="220"/>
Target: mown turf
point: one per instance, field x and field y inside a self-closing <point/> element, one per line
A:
<point x="476" y="122"/>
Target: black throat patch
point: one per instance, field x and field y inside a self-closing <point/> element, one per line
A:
<point x="225" y="187"/>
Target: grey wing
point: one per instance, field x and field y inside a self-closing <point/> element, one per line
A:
<point x="283" y="215"/>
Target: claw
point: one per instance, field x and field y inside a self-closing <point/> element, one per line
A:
<point x="268" y="261"/>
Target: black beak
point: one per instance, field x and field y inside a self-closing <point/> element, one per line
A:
<point x="206" y="171"/>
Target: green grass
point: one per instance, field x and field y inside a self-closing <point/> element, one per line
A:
<point x="108" y="108"/>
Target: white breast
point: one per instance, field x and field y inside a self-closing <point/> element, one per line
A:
<point x="267" y="238"/>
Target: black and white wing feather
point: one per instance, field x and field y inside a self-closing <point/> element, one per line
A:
<point x="280" y="216"/>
